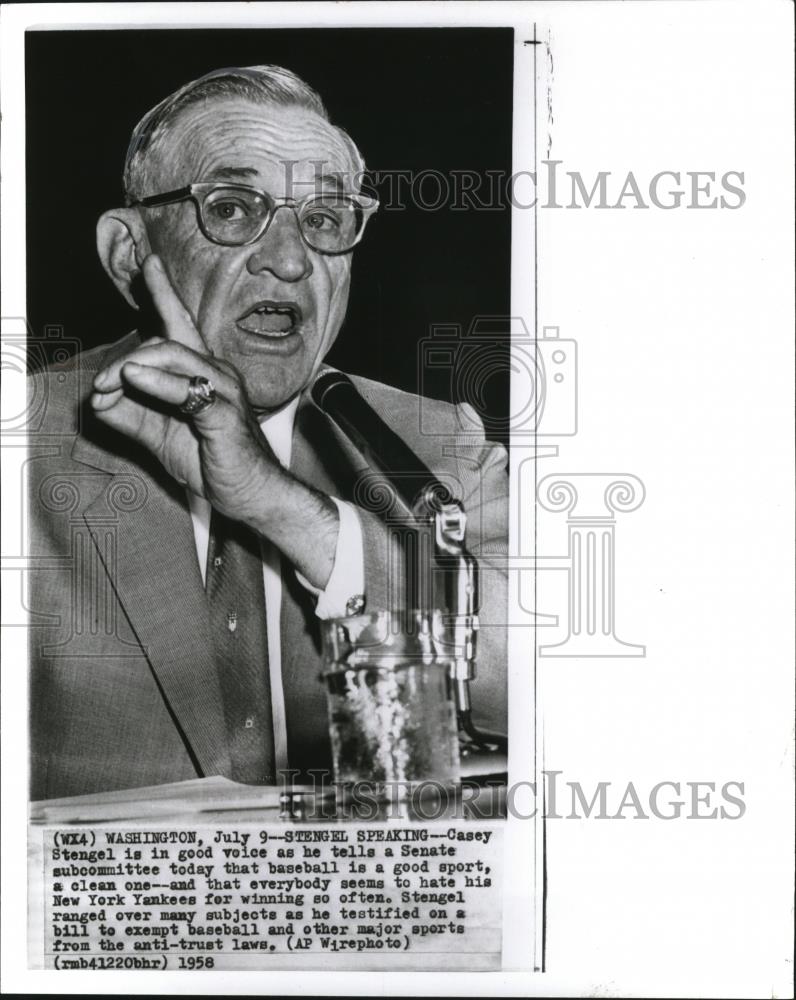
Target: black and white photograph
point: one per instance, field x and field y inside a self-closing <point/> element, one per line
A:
<point x="398" y="488"/>
<point x="150" y="685"/>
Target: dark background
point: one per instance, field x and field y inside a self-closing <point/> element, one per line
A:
<point x="412" y="99"/>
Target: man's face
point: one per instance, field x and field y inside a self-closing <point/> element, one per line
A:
<point x="231" y="291"/>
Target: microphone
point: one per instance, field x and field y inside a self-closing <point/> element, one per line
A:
<point x="335" y="394"/>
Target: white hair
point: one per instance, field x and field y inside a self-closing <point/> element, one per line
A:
<point x="258" y="84"/>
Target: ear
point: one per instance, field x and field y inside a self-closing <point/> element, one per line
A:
<point x="122" y="245"/>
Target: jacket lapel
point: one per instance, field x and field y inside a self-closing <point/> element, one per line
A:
<point x="154" y="571"/>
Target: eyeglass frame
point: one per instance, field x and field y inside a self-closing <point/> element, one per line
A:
<point x="204" y="188"/>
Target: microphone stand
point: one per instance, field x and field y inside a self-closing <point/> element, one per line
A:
<point x="435" y="510"/>
<point x="460" y="597"/>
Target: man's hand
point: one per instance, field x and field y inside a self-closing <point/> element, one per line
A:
<point x="219" y="453"/>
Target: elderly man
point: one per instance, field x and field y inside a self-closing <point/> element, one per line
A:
<point x="197" y="514"/>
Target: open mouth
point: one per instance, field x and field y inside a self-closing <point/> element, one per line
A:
<point x="271" y="319"/>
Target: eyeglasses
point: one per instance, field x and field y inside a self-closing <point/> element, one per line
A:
<point x="234" y="215"/>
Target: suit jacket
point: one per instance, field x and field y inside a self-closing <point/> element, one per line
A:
<point x="123" y="685"/>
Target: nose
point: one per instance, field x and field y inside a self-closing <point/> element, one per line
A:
<point x="281" y="250"/>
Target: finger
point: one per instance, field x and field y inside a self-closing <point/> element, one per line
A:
<point x="146" y="425"/>
<point x="174" y="389"/>
<point x="169" y="356"/>
<point x="166" y="386"/>
<point x="107" y="379"/>
<point x="134" y="419"/>
<point x="105" y="400"/>
<point x="177" y="321"/>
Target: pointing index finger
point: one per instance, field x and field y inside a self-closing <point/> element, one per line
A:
<point x="177" y="322"/>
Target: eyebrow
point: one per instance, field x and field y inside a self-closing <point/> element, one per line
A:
<point x="230" y="173"/>
<point x="333" y="180"/>
<point x="222" y="173"/>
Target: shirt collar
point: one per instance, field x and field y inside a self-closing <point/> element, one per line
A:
<point x="277" y="429"/>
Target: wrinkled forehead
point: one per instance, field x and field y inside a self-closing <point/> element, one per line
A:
<point x="264" y="145"/>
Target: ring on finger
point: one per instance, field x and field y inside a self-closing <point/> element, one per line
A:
<point x="201" y="395"/>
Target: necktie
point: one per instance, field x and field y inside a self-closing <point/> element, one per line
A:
<point x="236" y="602"/>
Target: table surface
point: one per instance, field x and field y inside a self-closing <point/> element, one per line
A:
<point x="217" y="799"/>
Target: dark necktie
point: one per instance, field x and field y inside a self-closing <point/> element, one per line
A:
<point x="236" y="601"/>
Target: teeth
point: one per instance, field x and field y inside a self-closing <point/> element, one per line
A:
<point x="270" y="321"/>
